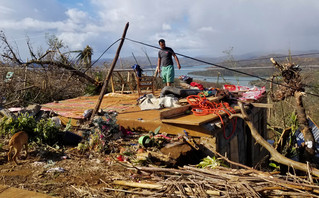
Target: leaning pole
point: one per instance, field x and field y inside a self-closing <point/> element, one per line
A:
<point x="106" y="81"/>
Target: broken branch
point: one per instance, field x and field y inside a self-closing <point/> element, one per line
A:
<point x="275" y="155"/>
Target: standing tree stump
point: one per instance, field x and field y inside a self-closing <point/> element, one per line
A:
<point x="292" y="86"/>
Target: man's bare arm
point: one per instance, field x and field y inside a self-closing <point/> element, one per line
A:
<point x="177" y="61"/>
<point x="158" y="68"/>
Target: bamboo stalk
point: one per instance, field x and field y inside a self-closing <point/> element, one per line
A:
<point x="138" y="185"/>
<point x="158" y="186"/>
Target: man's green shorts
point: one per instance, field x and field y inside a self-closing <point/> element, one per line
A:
<point x="168" y="74"/>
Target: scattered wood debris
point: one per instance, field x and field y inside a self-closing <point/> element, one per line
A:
<point x="195" y="182"/>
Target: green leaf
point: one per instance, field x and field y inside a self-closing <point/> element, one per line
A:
<point x="273" y="165"/>
<point x="211" y="162"/>
<point x="157" y="130"/>
<point x="68" y="126"/>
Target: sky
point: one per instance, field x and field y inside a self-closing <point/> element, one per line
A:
<point x="193" y="28"/>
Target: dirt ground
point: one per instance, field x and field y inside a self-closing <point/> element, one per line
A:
<point x="68" y="173"/>
<point x="65" y="172"/>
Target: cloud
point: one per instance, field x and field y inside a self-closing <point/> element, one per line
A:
<point x="166" y="27"/>
<point x="77" y="16"/>
<point x="206" y="27"/>
<point x="5" y="10"/>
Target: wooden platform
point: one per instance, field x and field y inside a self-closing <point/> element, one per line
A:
<point x="193" y="119"/>
<point x="235" y="141"/>
<point x="130" y="116"/>
<point x="149" y="120"/>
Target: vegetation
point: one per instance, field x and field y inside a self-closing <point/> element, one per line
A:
<point x="10" y="125"/>
<point x="211" y="162"/>
<point x="41" y="132"/>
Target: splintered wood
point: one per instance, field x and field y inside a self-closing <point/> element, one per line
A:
<point x="190" y="181"/>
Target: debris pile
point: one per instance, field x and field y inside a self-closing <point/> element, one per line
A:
<point x="151" y="163"/>
<point x="195" y="182"/>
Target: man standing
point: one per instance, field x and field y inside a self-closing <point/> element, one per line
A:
<point x="166" y="62"/>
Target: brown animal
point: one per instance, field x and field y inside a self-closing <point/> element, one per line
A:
<point x="17" y="141"/>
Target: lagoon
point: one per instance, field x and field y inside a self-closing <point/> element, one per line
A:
<point x="236" y="80"/>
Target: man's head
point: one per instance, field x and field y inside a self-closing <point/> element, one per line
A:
<point x="161" y="42"/>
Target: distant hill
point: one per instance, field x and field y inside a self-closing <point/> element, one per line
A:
<point x="249" y="59"/>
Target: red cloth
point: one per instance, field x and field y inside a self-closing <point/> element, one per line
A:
<point x="195" y="84"/>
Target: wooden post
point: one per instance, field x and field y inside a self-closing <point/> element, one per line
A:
<point x="109" y="73"/>
<point x="129" y="82"/>
<point x="112" y="84"/>
<point x="234" y="153"/>
<point x="121" y="80"/>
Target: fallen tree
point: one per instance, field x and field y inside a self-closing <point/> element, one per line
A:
<point x="292" y="86"/>
<point x="51" y="57"/>
<point x="275" y="155"/>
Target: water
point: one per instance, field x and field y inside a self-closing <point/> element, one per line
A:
<point x="243" y="81"/>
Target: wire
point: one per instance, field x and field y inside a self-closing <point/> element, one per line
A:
<point x="242" y="60"/>
<point x="220" y="66"/>
<point x="265" y="58"/>
<point x="102" y="55"/>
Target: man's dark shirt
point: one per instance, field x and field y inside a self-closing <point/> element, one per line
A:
<point x="166" y="56"/>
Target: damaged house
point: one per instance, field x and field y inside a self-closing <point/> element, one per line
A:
<point x="209" y="126"/>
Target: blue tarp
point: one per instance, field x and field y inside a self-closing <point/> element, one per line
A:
<point x="315" y="132"/>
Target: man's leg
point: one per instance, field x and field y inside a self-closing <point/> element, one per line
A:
<point x="171" y="75"/>
<point x="164" y="76"/>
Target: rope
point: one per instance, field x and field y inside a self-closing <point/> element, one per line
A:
<point x="201" y="106"/>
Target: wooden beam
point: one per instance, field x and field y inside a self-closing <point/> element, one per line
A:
<point x="129" y="82"/>
<point x="158" y="187"/>
<point x="174" y="112"/>
<point x="263" y="105"/>
<point x="194" y="120"/>
<point x="112" y="84"/>
<point x="106" y="81"/>
<point x="210" y="98"/>
<point x="234" y="153"/>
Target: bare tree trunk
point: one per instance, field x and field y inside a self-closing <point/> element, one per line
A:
<point x="304" y="128"/>
<point x="275" y="155"/>
<point x="9" y="54"/>
<point x="68" y="67"/>
<point x="292" y="86"/>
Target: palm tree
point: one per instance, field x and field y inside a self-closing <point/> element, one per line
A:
<point x="84" y="57"/>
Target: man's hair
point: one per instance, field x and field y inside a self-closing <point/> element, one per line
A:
<point x="161" y="41"/>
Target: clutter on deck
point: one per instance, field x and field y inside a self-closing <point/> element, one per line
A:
<point x="202" y="112"/>
<point x="178" y="126"/>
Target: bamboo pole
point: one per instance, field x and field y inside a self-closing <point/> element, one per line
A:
<point x="158" y="186"/>
<point x="106" y="81"/>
